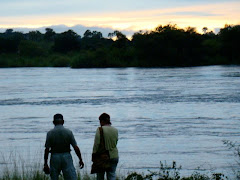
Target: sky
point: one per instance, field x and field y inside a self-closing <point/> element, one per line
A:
<point x="123" y="15"/>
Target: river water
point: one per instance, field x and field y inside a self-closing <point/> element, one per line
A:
<point x="162" y="114"/>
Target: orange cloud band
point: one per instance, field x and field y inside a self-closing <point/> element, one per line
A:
<point x="211" y="16"/>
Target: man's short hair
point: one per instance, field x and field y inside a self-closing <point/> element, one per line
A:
<point x="57" y="117"/>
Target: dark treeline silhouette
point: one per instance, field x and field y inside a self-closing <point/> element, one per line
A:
<point x="163" y="47"/>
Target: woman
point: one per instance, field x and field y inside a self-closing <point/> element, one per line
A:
<point x="110" y="138"/>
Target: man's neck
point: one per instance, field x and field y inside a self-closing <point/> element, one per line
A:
<point x="58" y="125"/>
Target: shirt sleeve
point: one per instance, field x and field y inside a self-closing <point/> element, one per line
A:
<point x="72" y="140"/>
<point x="96" y="141"/>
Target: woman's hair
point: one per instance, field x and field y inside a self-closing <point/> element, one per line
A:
<point x="105" y="117"/>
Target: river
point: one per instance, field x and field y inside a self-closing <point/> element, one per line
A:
<point x="162" y="114"/>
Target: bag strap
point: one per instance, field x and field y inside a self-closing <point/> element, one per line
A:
<point x="102" y="140"/>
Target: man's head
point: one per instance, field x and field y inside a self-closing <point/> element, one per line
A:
<point x="58" y="119"/>
<point x="104" y="119"/>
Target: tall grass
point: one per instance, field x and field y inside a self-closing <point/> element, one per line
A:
<point x="235" y="148"/>
<point x="165" y="172"/>
<point x="16" y="168"/>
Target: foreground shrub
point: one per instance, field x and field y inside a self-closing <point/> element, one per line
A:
<point x="235" y="147"/>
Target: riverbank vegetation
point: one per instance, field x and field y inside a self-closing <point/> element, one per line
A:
<point x="163" y="47"/>
<point x="165" y="172"/>
<point x="28" y="170"/>
<point x="23" y="171"/>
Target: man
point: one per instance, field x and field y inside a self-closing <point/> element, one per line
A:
<point x="58" y="143"/>
<point x="110" y="134"/>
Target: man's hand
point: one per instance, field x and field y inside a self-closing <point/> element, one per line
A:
<point x="81" y="164"/>
<point x="77" y="151"/>
<point x="46" y="169"/>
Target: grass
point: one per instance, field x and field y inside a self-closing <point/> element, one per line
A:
<point x="165" y="172"/>
<point x="15" y="168"/>
<point x="35" y="173"/>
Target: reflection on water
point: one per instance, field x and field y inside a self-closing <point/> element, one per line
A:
<point x="172" y="114"/>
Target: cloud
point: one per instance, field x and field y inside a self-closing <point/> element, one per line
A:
<point x="190" y="13"/>
<point x="11" y="8"/>
<point x="211" y="15"/>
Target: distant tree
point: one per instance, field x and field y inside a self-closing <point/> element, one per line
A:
<point x="119" y="35"/>
<point x="191" y="30"/>
<point x="67" y="41"/>
<point x="93" y="40"/>
<point x="204" y="29"/>
<point x="10" y="40"/>
<point x="49" y="34"/>
<point x="110" y="35"/>
<point x="94" y="34"/>
<point x="35" y="36"/>
<point x="8" y="46"/>
<point x="87" y="34"/>
<point x="169" y="27"/>
<point x="211" y="34"/>
<point x="229" y="37"/>
<point x="166" y="45"/>
<point x="121" y="39"/>
<point x="97" y="35"/>
<point x="31" y="49"/>
<point x="19" y="35"/>
<point x="9" y="31"/>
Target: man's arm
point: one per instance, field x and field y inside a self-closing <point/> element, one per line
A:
<point x="46" y="152"/>
<point x="77" y="150"/>
<point x="78" y="153"/>
<point x="46" y="168"/>
<point x="96" y="141"/>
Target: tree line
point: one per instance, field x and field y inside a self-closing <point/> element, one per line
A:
<point x="165" y="46"/>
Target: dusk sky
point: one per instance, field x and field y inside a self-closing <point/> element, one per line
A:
<point x="132" y="15"/>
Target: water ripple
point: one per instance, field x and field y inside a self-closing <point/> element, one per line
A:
<point x="234" y="98"/>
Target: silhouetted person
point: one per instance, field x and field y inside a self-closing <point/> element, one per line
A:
<point x="58" y="143"/>
<point x="111" y="138"/>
